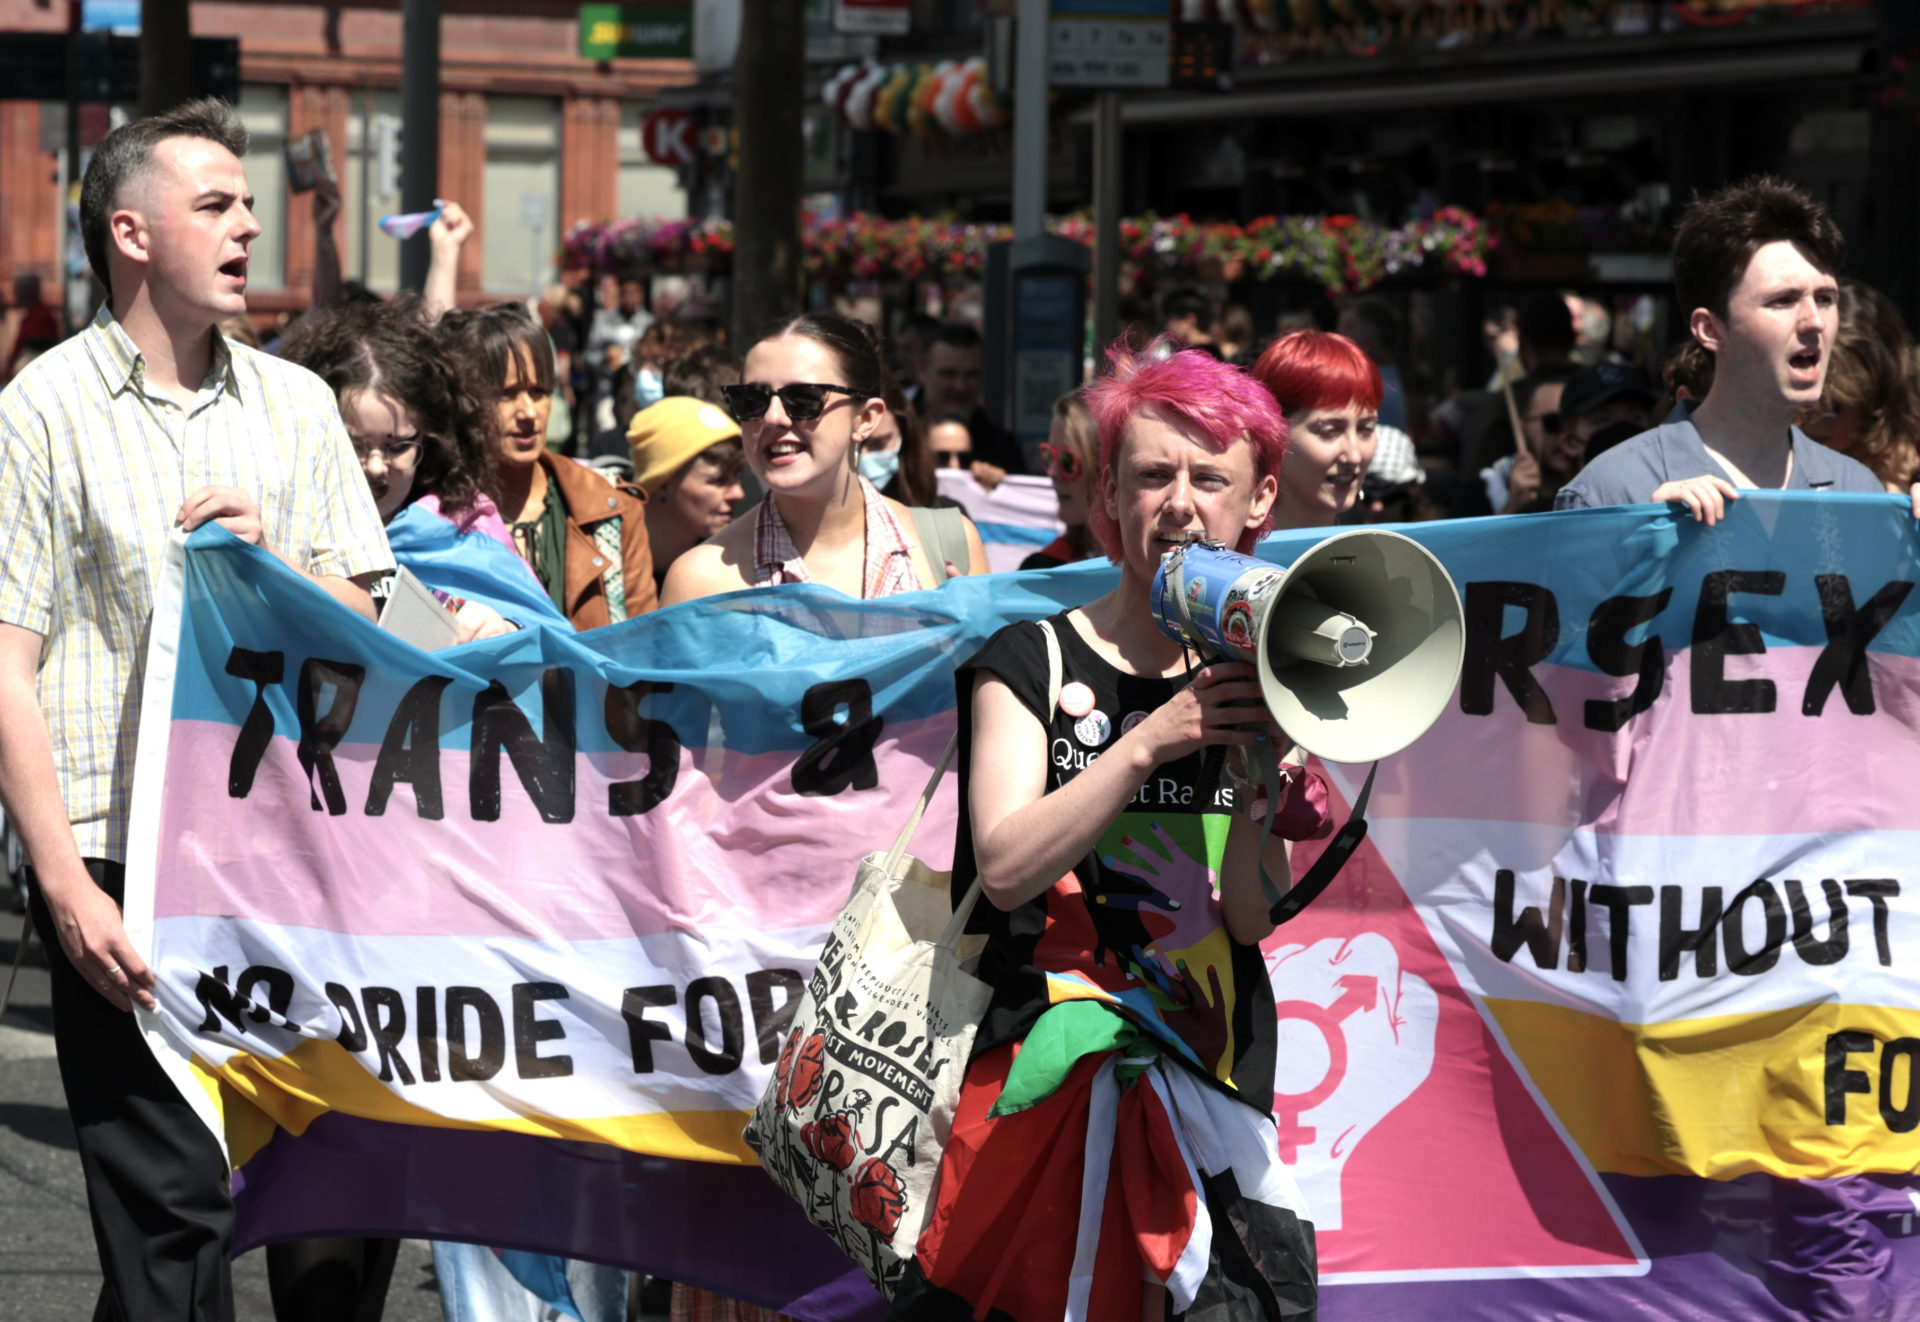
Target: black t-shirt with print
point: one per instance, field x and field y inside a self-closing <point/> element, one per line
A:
<point x="1137" y="924"/>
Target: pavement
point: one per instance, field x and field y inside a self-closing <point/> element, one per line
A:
<point x="48" y="1270"/>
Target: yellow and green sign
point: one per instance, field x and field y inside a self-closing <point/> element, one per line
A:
<point x="648" y="32"/>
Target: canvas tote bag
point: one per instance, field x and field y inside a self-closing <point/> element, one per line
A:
<point x="862" y="1099"/>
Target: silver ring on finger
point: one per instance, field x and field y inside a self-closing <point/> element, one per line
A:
<point x="114" y="972"/>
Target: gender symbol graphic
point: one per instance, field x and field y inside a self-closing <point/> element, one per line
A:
<point x="1355" y="1039"/>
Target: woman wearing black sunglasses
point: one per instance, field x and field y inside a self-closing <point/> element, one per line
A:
<point x="811" y="396"/>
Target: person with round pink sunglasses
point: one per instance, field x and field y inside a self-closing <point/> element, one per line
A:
<point x="1068" y="455"/>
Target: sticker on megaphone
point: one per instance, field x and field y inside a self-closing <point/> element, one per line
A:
<point x="1215" y="599"/>
<point x="1358" y="642"/>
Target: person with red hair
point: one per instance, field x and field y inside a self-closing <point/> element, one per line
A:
<point x="1330" y="392"/>
<point x="1123" y="918"/>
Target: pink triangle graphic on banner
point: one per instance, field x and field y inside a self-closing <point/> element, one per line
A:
<point x="1417" y="1144"/>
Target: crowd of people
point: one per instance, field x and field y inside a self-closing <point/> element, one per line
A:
<point x="412" y="435"/>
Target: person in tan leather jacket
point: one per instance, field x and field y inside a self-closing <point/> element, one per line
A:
<point x="584" y="535"/>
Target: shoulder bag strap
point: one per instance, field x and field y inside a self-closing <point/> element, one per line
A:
<point x="957" y="925"/>
<point x="899" y="850"/>
<point x="939" y="529"/>
<point x="1306" y="890"/>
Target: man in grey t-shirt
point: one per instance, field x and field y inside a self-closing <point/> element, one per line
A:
<point x="1756" y="265"/>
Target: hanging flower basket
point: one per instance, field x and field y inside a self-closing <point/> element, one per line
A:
<point x="1341" y="254"/>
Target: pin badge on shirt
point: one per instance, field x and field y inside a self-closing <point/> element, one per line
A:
<point x="1093" y="729"/>
<point x="1076" y="699"/>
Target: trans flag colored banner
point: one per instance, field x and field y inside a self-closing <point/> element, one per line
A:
<point x="1613" y="1015"/>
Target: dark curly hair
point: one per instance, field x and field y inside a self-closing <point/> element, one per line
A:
<point x="390" y="347"/>
<point x="701" y="372"/>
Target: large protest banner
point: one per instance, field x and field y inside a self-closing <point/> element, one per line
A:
<point x="1614" y="1014"/>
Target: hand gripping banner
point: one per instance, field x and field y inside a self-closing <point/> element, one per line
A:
<point x="1612" y="1015"/>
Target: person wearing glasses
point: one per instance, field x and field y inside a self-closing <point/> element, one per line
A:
<point x="423" y="438"/>
<point x="812" y="395"/>
<point x="1554" y="453"/>
<point x="1069" y="455"/>
<point x="1329" y="391"/>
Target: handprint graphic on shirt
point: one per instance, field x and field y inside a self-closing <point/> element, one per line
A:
<point x="1168" y="889"/>
<point x="1356" y="1036"/>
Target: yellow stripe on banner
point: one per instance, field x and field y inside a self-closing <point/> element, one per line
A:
<point x="316" y="1077"/>
<point x="1725" y="1096"/>
<point x="247" y="1127"/>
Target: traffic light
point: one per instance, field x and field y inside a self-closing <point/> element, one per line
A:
<point x="1200" y="56"/>
<point x="93" y="70"/>
<point x="386" y="155"/>
<point x="33" y="67"/>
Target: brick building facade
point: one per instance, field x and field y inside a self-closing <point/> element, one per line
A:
<point x="532" y="137"/>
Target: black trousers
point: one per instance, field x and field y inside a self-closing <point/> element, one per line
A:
<point x="157" y="1181"/>
<point x="330" y="1280"/>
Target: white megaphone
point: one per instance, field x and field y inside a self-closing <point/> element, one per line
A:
<point x="1358" y="642"/>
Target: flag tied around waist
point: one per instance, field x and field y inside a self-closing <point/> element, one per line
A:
<point x="1614" y="1012"/>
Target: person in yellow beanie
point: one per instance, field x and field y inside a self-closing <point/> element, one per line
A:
<point x="686" y="457"/>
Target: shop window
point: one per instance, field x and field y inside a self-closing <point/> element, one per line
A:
<point x="263" y="109"/>
<point x="519" y="217"/>
<point x="369" y="168"/>
<point x="646" y="189"/>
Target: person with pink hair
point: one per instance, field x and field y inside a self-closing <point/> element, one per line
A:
<point x="1128" y="1053"/>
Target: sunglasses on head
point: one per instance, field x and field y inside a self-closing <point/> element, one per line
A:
<point x="803" y="400"/>
<point x="1059" y="457"/>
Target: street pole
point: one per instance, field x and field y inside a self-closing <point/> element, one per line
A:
<point x="166" y="55"/>
<point x="419" y="127"/>
<point x="769" y="72"/>
<point x="68" y="277"/>
<point x="1030" y="120"/>
<point x="365" y="201"/>
<point x="1107" y="201"/>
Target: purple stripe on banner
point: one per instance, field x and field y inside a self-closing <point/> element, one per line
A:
<point x="1758" y="1249"/>
<point x="688" y="1221"/>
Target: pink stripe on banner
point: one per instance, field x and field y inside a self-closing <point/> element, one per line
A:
<point x="732" y="845"/>
<point x="1779" y="773"/>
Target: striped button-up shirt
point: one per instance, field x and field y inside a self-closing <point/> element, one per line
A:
<point x="94" y="464"/>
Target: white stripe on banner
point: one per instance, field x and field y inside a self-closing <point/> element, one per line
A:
<point x="1015" y="519"/>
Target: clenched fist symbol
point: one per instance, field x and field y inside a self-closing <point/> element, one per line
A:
<point x="1355" y="1039"/>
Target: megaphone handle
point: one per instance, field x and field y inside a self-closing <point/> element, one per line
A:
<point x="1321" y="874"/>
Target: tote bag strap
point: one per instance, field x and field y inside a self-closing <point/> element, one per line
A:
<point x="957" y="925"/>
<point x="899" y="850"/>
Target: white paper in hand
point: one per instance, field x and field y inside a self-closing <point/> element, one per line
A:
<point x="414" y="614"/>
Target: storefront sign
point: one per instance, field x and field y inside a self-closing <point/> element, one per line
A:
<point x="1108" y="43"/>
<point x="647" y="32"/>
<point x="667" y="135"/>
<point x="886" y="18"/>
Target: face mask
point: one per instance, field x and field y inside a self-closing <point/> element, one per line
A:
<point x="879" y="466"/>
<point x="647" y="387"/>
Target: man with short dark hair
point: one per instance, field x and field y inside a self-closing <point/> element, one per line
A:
<point x="956" y="363"/>
<point x="1603" y="395"/>
<point x="1756" y="265"/>
<point x="147" y="421"/>
<point x="1546" y="335"/>
<point x="1184" y="318"/>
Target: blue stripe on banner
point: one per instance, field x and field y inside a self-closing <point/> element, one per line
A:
<point x="752" y="657"/>
<point x="1564" y="565"/>
<point x="1014" y="534"/>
